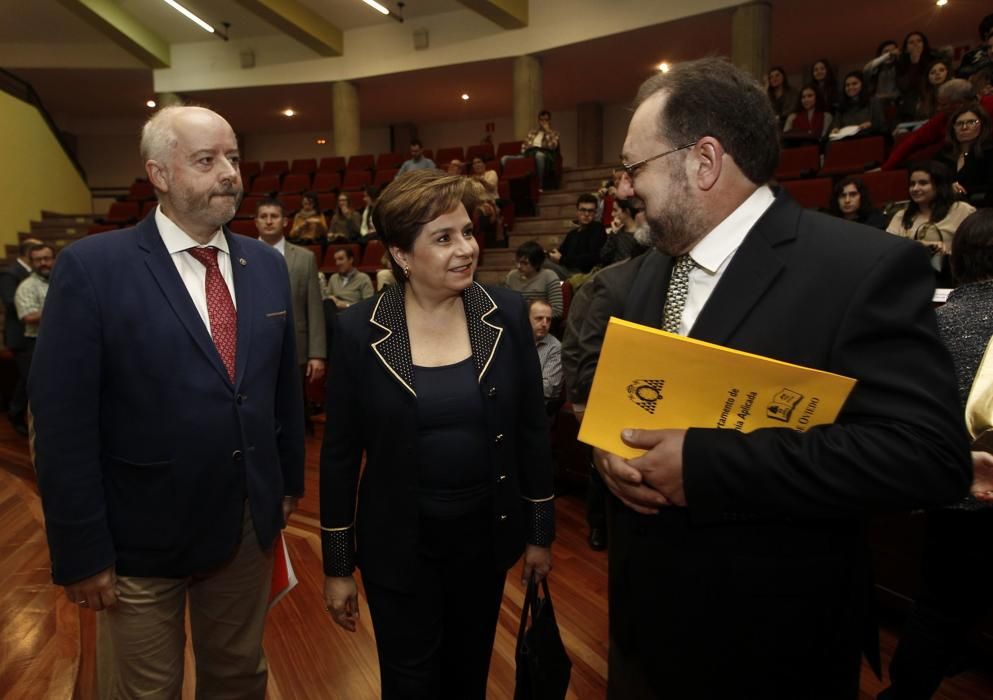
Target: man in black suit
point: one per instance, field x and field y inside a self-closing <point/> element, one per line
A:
<point x="13" y="334"/>
<point x="738" y="566"/>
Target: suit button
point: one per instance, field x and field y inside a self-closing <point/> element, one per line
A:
<point x="236" y="455"/>
<point x="498" y="439"/>
<point x="240" y="399"/>
<point x="502" y="477"/>
<point x="492" y="392"/>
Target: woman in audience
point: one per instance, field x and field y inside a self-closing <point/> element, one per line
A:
<point x="781" y="95"/>
<point x="969" y="153"/>
<point x="911" y="72"/>
<point x="856" y="108"/>
<point x="850" y="200"/>
<point x="939" y="72"/>
<point x="622" y="239"/>
<point x="880" y="72"/>
<point x="533" y="281"/>
<point x="487" y="178"/>
<point x="487" y="213"/>
<point x="309" y="225"/>
<point x="956" y="569"/>
<point x="932" y="216"/>
<point x="346" y="223"/>
<point x="809" y="121"/>
<point x="436" y="381"/>
<point x="824" y="80"/>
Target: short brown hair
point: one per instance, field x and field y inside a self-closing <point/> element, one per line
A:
<point x="415" y="199"/>
<point x="710" y="97"/>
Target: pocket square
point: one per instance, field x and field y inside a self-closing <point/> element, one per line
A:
<point x="276" y="314"/>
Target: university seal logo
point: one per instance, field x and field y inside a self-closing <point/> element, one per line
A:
<point x="646" y="393"/>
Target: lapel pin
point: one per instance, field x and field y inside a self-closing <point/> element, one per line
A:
<point x="242" y="261"/>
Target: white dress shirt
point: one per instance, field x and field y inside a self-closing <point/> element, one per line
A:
<point x="191" y="270"/>
<point x="713" y="253"/>
<point x="280" y="245"/>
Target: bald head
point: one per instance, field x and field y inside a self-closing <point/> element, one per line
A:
<point x="956" y="91"/>
<point x="159" y="135"/>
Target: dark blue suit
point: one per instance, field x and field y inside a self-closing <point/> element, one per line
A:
<point x="146" y="451"/>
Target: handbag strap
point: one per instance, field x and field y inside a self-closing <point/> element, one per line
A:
<point x="531" y="605"/>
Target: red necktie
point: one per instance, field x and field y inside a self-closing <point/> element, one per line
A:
<point x="220" y="308"/>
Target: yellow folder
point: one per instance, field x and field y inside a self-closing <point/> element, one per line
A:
<point x="647" y="378"/>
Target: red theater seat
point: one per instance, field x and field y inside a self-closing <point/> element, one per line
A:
<point x="798" y="162"/>
<point x="304" y="166"/>
<point x="275" y="167"/>
<point x="853" y="156"/>
<point x="294" y="183"/>
<point x="886" y="186"/>
<point x="483" y="150"/>
<point x="390" y="161"/>
<point x="447" y="155"/>
<point x="332" y="164"/>
<point x="812" y="194"/>
<point x="361" y="162"/>
<point x="265" y="185"/>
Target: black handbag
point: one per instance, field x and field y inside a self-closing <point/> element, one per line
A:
<point x="543" y="667"/>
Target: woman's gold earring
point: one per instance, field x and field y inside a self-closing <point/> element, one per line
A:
<point x="406" y="272"/>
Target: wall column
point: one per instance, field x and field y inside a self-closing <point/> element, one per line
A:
<point x="345" y="111"/>
<point x="751" y="29"/>
<point x="589" y="133"/>
<point x="168" y="99"/>
<point x="528" y="100"/>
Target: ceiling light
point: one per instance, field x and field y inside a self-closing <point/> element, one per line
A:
<point x="664" y="67"/>
<point x="376" y="6"/>
<point x="150" y="104"/>
<point x="941" y="3"/>
<point x="321" y="141"/>
<point x="288" y="113"/>
<point x="189" y="15"/>
<point x="465" y="96"/>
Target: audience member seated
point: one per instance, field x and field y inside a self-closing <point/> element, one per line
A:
<point x="309" y="225"/>
<point x="911" y="73"/>
<point x="969" y="154"/>
<point x="533" y="281"/>
<point x="542" y="144"/>
<point x="939" y="73"/>
<point x="623" y="239"/>
<point x="808" y="121"/>
<point x="982" y="82"/>
<point x="932" y="216"/>
<point x="781" y="95"/>
<point x="982" y="56"/>
<point x="956" y="569"/>
<point x="580" y="251"/>
<point x="880" y="73"/>
<point x="549" y="351"/>
<point x="850" y="200"/>
<point x="456" y="167"/>
<point x="384" y="275"/>
<point x="346" y="224"/>
<point x="347" y="286"/>
<point x="823" y="79"/>
<point x="487" y="178"/>
<point x="855" y="107"/>
<point x="367" y="229"/>
<point x="417" y="160"/>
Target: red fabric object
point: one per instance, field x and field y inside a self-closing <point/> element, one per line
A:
<point x="930" y="133"/>
<point x="220" y="308"/>
<point x="812" y="125"/>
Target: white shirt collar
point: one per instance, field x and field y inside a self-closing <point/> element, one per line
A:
<point x="714" y="249"/>
<point x="177" y="240"/>
<point x="280" y="245"/>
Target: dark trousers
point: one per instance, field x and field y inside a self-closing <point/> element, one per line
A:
<point x="18" y="408"/>
<point x="956" y="576"/>
<point x="596" y="500"/>
<point x="435" y="639"/>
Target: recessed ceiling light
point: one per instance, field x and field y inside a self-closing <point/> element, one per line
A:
<point x="321" y="141"/>
<point x="664" y="67"/>
<point x="465" y="96"/>
<point x="288" y="113"/>
<point x="150" y="104"/>
<point x="942" y="3"/>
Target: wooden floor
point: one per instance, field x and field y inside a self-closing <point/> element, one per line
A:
<point x="46" y="644"/>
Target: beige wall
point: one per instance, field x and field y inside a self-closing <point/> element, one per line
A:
<point x="37" y="174"/>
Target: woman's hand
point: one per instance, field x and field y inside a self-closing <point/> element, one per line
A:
<point x="537" y="563"/>
<point x="341" y="598"/>
<point x="958" y="188"/>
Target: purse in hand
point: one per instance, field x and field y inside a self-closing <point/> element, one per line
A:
<point x="543" y="667"/>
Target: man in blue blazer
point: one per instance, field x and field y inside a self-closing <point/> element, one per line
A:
<point x="169" y="427"/>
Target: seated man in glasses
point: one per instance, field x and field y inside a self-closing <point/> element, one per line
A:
<point x="580" y="250"/>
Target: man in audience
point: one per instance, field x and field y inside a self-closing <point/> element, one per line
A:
<point x="367" y="229"/>
<point x="417" y="159"/>
<point x="580" y="250"/>
<point x="542" y="144"/>
<point x="347" y="286"/>
<point x="549" y="348"/>
<point x="737" y="561"/>
<point x="981" y="56"/>
<point x="953" y="94"/>
<point x="305" y="286"/>
<point x="29" y="301"/>
<point x="13" y="334"/>
<point x="169" y="428"/>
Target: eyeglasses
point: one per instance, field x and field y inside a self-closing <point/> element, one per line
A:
<point x="632" y="168"/>
<point x="966" y="123"/>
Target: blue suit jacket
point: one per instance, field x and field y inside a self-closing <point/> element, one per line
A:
<point x="146" y="451"/>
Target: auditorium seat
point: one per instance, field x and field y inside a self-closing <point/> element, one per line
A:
<point x="853" y="156"/>
<point x="332" y="164"/>
<point x="519" y="184"/>
<point x="566" y="298"/>
<point x="265" y="185"/>
<point x="922" y="155"/>
<point x="126" y="212"/>
<point x="886" y="186"/>
<point x="509" y="148"/>
<point x="291" y="204"/>
<point x="795" y="163"/>
<point x="356" y="180"/>
<point x="250" y="169"/>
<point x="246" y="210"/>
<point x="364" y="163"/>
<point x="385" y="177"/>
<point x="275" y="167"/>
<point x="371" y="256"/>
<point x="147" y="207"/>
<point x="245" y="227"/>
<point x="326" y="182"/>
<point x="294" y="183"/>
<point x="356" y="199"/>
<point x="447" y="155"/>
<point x="327" y="202"/>
<point x="141" y="190"/>
<point x="390" y="161"/>
<point x="812" y="194"/>
<point x="304" y="166"/>
<point x="483" y="150"/>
